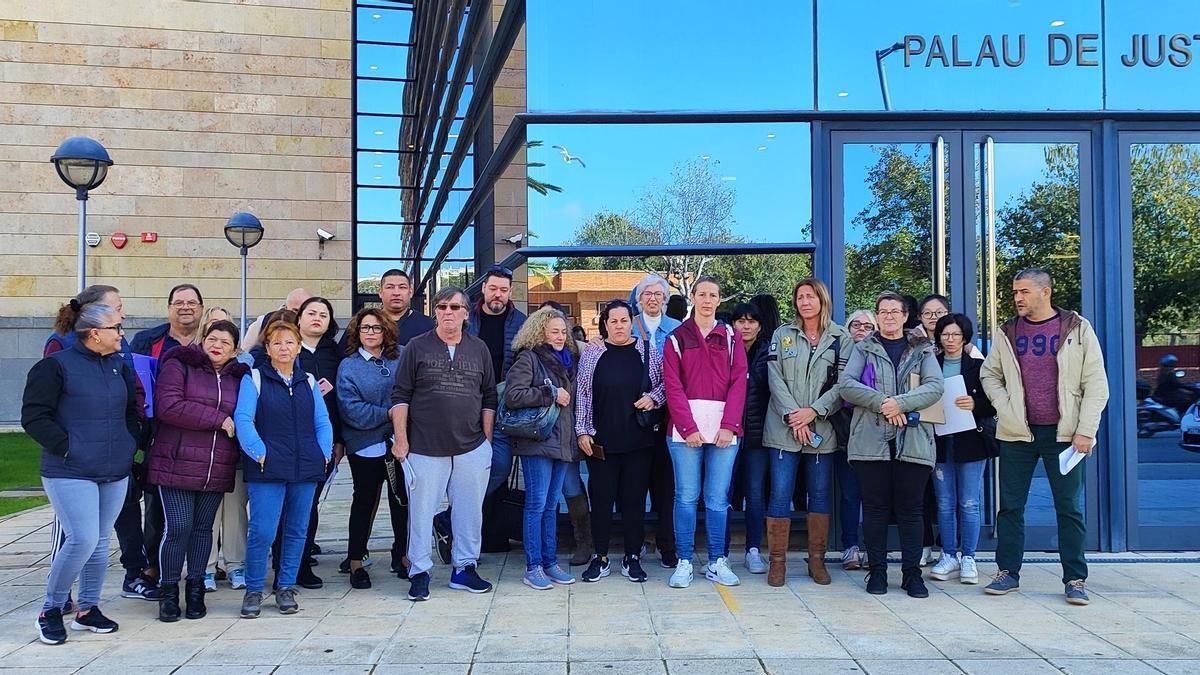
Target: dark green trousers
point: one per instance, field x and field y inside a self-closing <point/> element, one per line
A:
<point x="1017" y="462"/>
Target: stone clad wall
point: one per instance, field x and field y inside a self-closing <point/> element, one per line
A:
<point x="207" y="108"/>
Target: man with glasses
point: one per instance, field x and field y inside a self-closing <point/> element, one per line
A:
<point x="184" y="308"/>
<point x="443" y="409"/>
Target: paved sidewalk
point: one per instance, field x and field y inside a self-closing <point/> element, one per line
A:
<point x="1144" y="618"/>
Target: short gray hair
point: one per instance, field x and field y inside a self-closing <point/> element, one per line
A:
<point x="93" y="315"/>
<point x="1040" y="277"/>
<point x="447" y="293"/>
<point x="648" y="281"/>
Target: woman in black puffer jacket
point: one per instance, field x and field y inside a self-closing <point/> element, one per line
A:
<point x="750" y="474"/>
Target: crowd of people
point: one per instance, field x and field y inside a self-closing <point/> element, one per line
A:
<point x="228" y="443"/>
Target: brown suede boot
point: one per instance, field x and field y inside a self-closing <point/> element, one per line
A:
<point x="581" y="523"/>
<point x="818" y="540"/>
<point x="779" y="530"/>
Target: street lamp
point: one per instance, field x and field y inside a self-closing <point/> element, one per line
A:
<point x="83" y="164"/>
<point x="880" y="55"/>
<point x="244" y="230"/>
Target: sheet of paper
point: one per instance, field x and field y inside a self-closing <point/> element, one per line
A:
<point x="410" y="480"/>
<point x="329" y="482"/>
<point x="707" y="415"/>
<point x="1068" y="458"/>
<point x="957" y="419"/>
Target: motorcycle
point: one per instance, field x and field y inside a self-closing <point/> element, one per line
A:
<point x="1153" y="417"/>
<point x="1176" y="394"/>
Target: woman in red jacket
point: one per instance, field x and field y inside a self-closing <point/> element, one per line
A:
<point x="193" y="456"/>
<point x="704" y="370"/>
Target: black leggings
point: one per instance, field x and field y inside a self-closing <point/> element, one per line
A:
<point x="369" y="473"/>
<point x="188" y="530"/>
<point x="627" y="474"/>
<point x="662" y="496"/>
<point x="888" y="487"/>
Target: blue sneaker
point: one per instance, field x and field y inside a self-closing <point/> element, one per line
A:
<point x="140" y="588"/>
<point x="467" y="579"/>
<point x="558" y="575"/>
<point x="418" y="589"/>
<point x="536" y="579"/>
<point x="1075" y="593"/>
<point x="1002" y="584"/>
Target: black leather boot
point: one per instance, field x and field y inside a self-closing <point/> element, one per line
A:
<point x="195" y="599"/>
<point x="168" y="602"/>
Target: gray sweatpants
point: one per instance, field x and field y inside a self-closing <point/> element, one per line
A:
<point x="462" y="480"/>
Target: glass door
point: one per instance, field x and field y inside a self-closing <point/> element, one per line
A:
<point x="958" y="212"/>
<point x="1160" y="212"/>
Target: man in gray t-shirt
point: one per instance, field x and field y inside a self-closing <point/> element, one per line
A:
<point x="443" y="409"/>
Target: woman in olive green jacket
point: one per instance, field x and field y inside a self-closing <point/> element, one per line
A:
<point x="803" y="363"/>
<point x="891" y="374"/>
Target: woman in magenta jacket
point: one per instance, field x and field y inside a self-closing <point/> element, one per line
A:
<point x="193" y="456"/>
<point x="704" y="370"/>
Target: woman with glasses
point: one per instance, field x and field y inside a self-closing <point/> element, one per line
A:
<point x="364" y="391"/>
<point x="704" y="371"/>
<point x="806" y="356"/>
<point x="860" y="324"/>
<point x="193" y="457"/>
<point x="890" y="376"/>
<point x="80" y="405"/>
<point x="961" y="457"/>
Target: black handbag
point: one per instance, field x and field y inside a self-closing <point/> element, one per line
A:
<point x="841" y="418"/>
<point x="509" y="510"/>
<point x="654" y="418"/>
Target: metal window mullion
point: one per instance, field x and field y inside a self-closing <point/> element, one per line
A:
<point x="449" y="47"/>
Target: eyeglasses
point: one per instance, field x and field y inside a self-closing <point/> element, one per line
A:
<point x="891" y="312"/>
<point x="191" y="304"/>
<point x="452" y="307"/>
<point x="370" y="329"/>
<point x="119" y="328"/>
<point x="934" y="314"/>
<point x="861" y="325"/>
<point x="654" y="295"/>
<point x="383" y="369"/>
<point x="952" y="336"/>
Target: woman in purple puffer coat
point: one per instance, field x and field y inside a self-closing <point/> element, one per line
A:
<point x="193" y="456"/>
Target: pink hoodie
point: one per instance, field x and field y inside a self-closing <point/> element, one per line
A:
<point x="703" y="372"/>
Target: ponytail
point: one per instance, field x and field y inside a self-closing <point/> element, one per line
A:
<point x="68" y="314"/>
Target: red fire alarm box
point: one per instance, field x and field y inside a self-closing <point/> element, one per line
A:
<point x="119" y="239"/>
<point x="149" y="237"/>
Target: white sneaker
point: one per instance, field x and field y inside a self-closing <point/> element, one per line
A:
<point x="682" y="577"/>
<point x="720" y="573"/>
<point x="754" y="562"/>
<point x="927" y="556"/>
<point x="210" y="582"/>
<point x="237" y="578"/>
<point x="968" y="574"/>
<point x="947" y="568"/>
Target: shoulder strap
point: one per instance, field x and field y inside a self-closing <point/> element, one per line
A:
<point x="312" y="382"/>
<point x="256" y="378"/>
<point x="729" y="341"/>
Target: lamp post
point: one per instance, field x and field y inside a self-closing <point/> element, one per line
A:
<point x="880" y="55"/>
<point x="83" y="164"/>
<point x="244" y="230"/>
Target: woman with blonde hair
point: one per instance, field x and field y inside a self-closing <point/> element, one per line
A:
<point x="803" y="364"/>
<point x="542" y="374"/>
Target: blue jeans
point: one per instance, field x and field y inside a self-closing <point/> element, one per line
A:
<point x="268" y="503"/>
<point x="716" y="466"/>
<point x="572" y="482"/>
<point x="543" y="485"/>
<point x="85" y="511"/>
<point x="502" y="458"/>
<point x="959" y="489"/>
<point x="818" y="480"/>
<point x="850" y="503"/>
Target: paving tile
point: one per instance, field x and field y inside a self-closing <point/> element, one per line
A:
<point x="613" y="648"/>
<point x="339" y="650"/>
<point x="359" y="627"/>
<point x="1007" y="667"/>
<point x="675" y="622"/>
<point x="521" y="648"/>
<point x="888" y="647"/>
<point x="74" y="654"/>
<point x="655" y="667"/>
<point x="907" y="667"/>
<point x="423" y="669"/>
<point x="705" y="646"/>
<point x="1072" y="644"/>
<point x="223" y="670"/>
<point x="159" y="653"/>
<point x="230" y="652"/>
<point x="815" y="644"/>
<point x="1103" y="667"/>
<point x="714" y="667"/>
<point x="811" y="667"/>
<point x="1155" y="645"/>
<point x="419" y="649"/>
<point x="1176" y="667"/>
<point x="541" y="668"/>
<point x="994" y="645"/>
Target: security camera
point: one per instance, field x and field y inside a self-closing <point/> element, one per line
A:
<point x="516" y="238"/>
<point x="324" y="234"/>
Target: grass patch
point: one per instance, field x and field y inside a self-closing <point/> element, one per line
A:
<point x="14" y="504"/>
<point x="19" y="459"/>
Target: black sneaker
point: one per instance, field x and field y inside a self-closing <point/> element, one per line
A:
<point x="597" y="569"/>
<point x="399" y="566"/>
<point x="877" y="582"/>
<point x="68" y="606"/>
<point x="94" y="621"/>
<point x="285" y="600"/>
<point x="315" y="550"/>
<point x="344" y="566"/>
<point x="360" y="579"/>
<point x="668" y="559"/>
<point x="306" y="579"/>
<point x="140" y="588"/>
<point x="50" y="627"/>
<point x="631" y="568"/>
<point x="251" y="605"/>
<point x="443" y="535"/>
<point x="914" y="585"/>
<point x="418" y="589"/>
<point x="311" y="561"/>
<point x="468" y="579"/>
